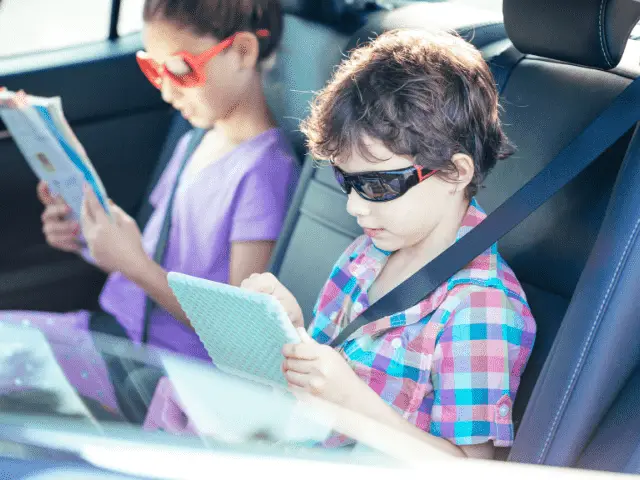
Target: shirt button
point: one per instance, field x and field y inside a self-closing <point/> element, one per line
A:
<point x="503" y="410"/>
<point x="358" y="307"/>
<point x="396" y="343"/>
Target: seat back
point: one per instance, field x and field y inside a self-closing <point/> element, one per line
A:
<point x="549" y="250"/>
<point x="312" y="44"/>
<point x="557" y="253"/>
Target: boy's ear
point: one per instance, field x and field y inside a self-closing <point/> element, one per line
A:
<point x="247" y="46"/>
<point x="466" y="170"/>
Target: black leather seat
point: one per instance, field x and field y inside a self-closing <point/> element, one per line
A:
<point x="577" y="255"/>
<point x="573" y="255"/>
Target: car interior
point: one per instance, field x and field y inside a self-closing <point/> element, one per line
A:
<point x="576" y="256"/>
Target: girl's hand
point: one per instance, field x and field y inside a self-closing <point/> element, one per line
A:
<point x="59" y="231"/>
<point x="17" y="100"/>
<point x="269" y="284"/>
<point x="319" y="370"/>
<point x="115" y="242"/>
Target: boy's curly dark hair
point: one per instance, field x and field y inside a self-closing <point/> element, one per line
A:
<point x="424" y="95"/>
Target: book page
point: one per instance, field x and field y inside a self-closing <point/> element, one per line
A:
<point x="53" y="152"/>
<point x="45" y="156"/>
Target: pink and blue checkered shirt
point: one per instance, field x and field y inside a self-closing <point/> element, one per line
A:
<point x="452" y="364"/>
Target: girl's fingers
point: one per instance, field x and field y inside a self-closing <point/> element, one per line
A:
<point x="44" y="194"/>
<point x="68" y="228"/>
<point x="55" y="213"/>
<point x="71" y="246"/>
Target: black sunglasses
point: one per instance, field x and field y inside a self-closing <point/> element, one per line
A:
<point x="382" y="186"/>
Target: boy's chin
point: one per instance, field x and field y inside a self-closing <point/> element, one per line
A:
<point x="385" y="245"/>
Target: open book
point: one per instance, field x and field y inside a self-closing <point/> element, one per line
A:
<point x="47" y="143"/>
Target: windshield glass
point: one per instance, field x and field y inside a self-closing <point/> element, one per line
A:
<point x="65" y="382"/>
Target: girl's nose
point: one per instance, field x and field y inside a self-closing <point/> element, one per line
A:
<point x="168" y="90"/>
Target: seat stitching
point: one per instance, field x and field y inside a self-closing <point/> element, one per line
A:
<point x="588" y="340"/>
<point x="601" y="32"/>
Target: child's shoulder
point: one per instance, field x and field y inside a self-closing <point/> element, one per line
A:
<point x="270" y="147"/>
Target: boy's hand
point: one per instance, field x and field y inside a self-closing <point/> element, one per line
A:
<point x="269" y="284"/>
<point x="319" y="370"/>
<point x="59" y="231"/>
<point x="114" y="243"/>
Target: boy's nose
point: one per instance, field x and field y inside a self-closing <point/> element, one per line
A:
<point x="357" y="206"/>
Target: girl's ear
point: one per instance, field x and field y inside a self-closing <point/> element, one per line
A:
<point x="465" y="168"/>
<point x="248" y="49"/>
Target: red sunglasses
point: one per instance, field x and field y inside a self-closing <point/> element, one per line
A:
<point x="184" y="69"/>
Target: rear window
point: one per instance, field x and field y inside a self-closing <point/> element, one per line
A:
<point x="30" y="26"/>
<point x="495" y="5"/>
<point x="130" y="20"/>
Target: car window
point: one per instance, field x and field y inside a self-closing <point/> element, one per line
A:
<point x="215" y="410"/>
<point x="493" y="5"/>
<point x="57" y="24"/>
<point x="130" y="20"/>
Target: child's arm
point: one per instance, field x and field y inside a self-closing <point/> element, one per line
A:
<point x="115" y="243"/>
<point x="248" y="258"/>
<point x="364" y="400"/>
<point x="152" y="278"/>
<point x="322" y="371"/>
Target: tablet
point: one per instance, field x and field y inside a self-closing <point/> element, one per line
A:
<point x="242" y="331"/>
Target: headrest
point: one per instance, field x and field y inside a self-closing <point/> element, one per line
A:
<point x="478" y="26"/>
<point x="326" y="11"/>
<point x="592" y="33"/>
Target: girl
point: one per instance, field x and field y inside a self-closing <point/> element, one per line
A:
<point x="410" y="124"/>
<point x="231" y="197"/>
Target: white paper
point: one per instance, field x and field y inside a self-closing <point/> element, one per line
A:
<point x="43" y="149"/>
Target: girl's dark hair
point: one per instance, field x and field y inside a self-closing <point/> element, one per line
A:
<point x="424" y="95"/>
<point x="222" y="18"/>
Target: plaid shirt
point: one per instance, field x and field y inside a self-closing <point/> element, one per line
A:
<point x="451" y="364"/>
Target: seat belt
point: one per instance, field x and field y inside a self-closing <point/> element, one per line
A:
<point x="503" y="64"/>
<point x="603" y="132"/>
<point x="163" y="239"/>
<point x="179" y="127"/>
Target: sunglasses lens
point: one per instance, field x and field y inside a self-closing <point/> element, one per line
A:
<point x="377" y="186"/>
<point x="149" y="69"/>
<point x="341" y="181"/>
<point x="374" y="189"/>
<point x="181" y="72"/>
<point x="178" y="66"/>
